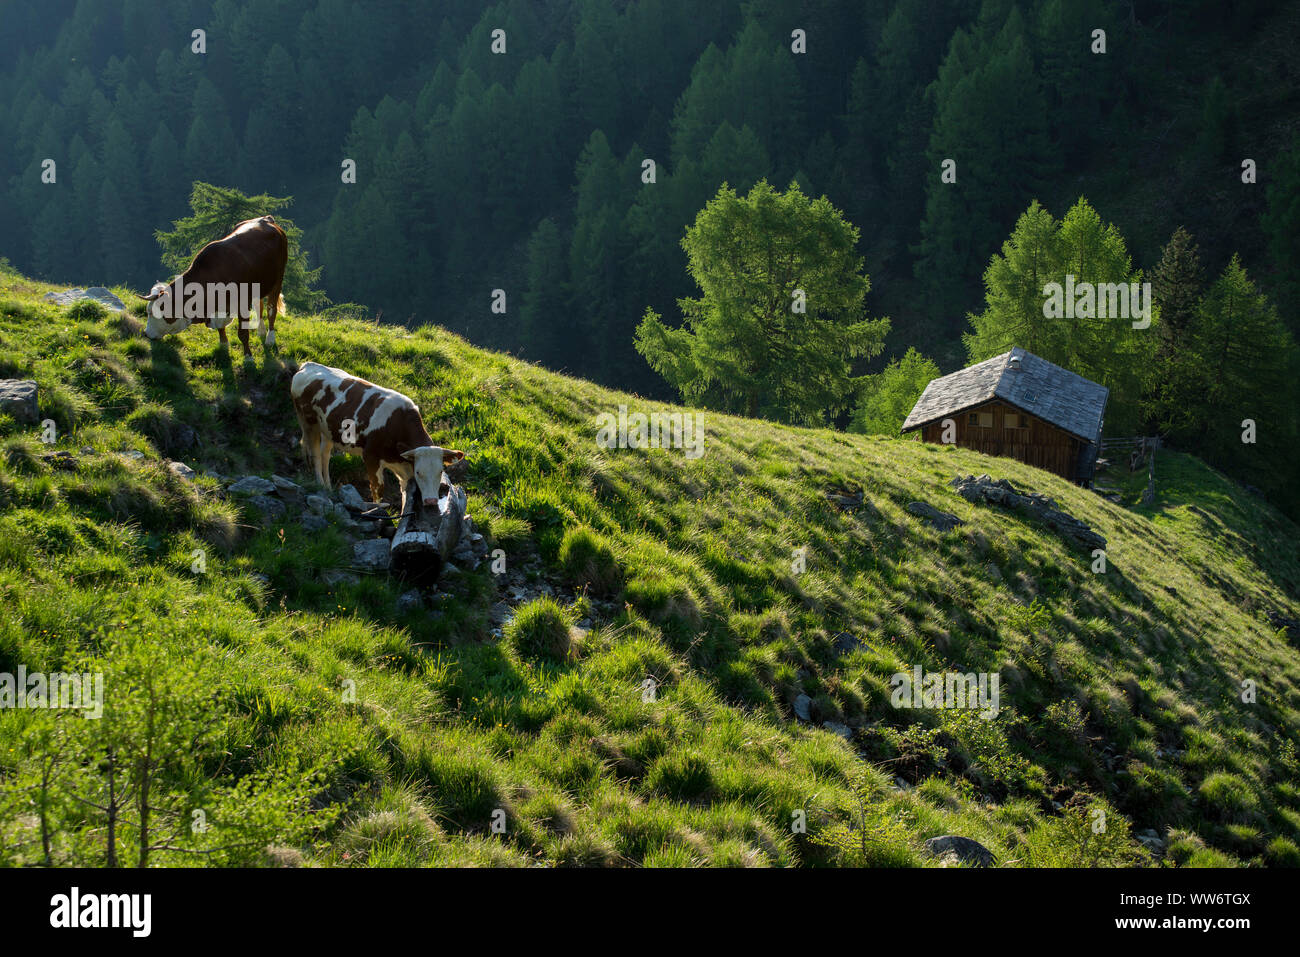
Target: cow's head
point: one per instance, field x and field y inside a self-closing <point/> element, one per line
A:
<point x="163" y="305"/>
<point x="429" y="461"/>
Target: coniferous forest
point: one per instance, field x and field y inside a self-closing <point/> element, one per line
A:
<point x="556" y="152"/>
<point x="523" y="173"/>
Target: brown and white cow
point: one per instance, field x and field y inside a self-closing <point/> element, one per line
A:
<point x="338" y="409"/>
<point x="227" y="280"/>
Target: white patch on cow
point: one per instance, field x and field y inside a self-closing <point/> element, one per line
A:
<point x="391" y="403"/>
<point x="247" y="227"/>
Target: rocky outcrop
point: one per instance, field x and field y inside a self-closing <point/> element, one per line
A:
<point x="984" y="490"/>
<point x="943" y="521"/>
<point x="96" y="293"/>
<point x="953" y="849"/>
<point x="18" y="401"/>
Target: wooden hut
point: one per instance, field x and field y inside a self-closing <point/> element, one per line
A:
<point x="1020" y="406"/>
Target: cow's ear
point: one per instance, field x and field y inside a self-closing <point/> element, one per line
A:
<point x="409" y="455"/>
<point x="451" y="455"/>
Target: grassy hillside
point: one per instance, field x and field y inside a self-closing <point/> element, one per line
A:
<point x="336" y="725"/>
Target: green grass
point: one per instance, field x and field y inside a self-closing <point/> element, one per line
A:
<point x="427" y="741"/>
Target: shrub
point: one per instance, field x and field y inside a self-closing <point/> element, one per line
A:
<point x="541" y="629"/>
<point x="588" y="560"/>
<point x="683" y="775"/>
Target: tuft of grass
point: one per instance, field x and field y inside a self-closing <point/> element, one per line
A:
<point x="542" y="629"/>
<point x="588" y="561"/>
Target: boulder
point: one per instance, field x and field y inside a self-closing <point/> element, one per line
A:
<point x="943" y="521"/>
<point x="287" y="490"/>
<point x="98" y="293"/>
<point x="63" y="460"/>
<point x="337" y="576"/>
<point x="953" y="849"/>
<point x="252" y="485"/>
<point x="410" y="600"/>
<point x="271" y="508"/>
<point x="985" y="490"/>
<point x="320" y="505"/>
<point x="352" y="499"/>
<point x="803" y="707"/>
<point x="372" y="555"/>
<point x="181" y="470"/>
<point x="18" y="400"/>
<point x="313" y="523"/>
<point x="843" y="730"/>
<point x="844" y="642"/>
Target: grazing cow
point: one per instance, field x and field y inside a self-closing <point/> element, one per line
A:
<point x="222" y="283"/>
<point x="335" y="408"/>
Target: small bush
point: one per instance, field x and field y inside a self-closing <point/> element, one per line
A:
<point x="1228" y="797"/>
<point x="588" y="560"/>
<point x="87" y="310"/>
<point x="541" y="629"/>
<point x="683" y="775"/>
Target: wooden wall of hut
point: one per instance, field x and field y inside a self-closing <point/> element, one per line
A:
<point x="1041" y="444"/>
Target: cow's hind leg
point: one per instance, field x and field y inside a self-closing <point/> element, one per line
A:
<point x="272" y="309"/>
<point x="375" y="473"/>
<point x="323" y="460"/>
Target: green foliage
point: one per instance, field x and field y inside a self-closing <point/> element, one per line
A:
<point x="887" y="397"/>
<point x="779" y="319"/>
<point x="1020" y="312"/>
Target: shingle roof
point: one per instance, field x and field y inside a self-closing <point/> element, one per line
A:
<point x="1055" y="395"/>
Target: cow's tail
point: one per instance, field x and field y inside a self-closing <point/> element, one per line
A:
<point x="280" y="309"/>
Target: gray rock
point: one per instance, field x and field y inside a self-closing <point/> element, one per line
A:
<point x="501" y="613"/>
<point x="409" y="600"/>
<point x="802" y="706"/>
<point x="287" y="489"/>
<point x="337" y="576"/>
<point x="372" y="555"/>
<point x="18" y="400"/>
<point x="182" y="470"/>
<point x="182" y="439"/>
<point x="313" y="523"/>
<point x="843" y="730"/>
<point x="352" y="499"/>
<point x="134" y="454"/>
<point x="953" y="849"/>
<point x="943" y="521"/>
<point x="98" y="293"/>
<point x="269" y="507"/>
<point x="319" y="504"/>
<point x="62" y="460"/>
<point x="845" y="642"/>
<point x="252" y="485"/>
<point x="985" y="490"/>
<point x="87" y="450"/>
